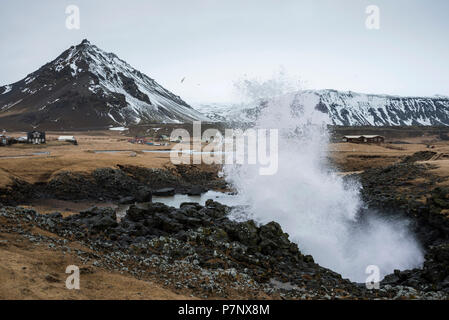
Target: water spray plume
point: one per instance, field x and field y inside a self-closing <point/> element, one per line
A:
<point x="318" y="209"/>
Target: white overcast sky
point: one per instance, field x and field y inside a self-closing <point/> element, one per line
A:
<point x="213" y="43"/>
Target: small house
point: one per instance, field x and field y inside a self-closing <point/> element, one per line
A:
<point x="373" y="139"/>
<point x="352" y="139"/>
<point x="70" y="139"/>
<point x="36" y="137"/>
<point x="5" y="140"/>
<point x="163" y="137"/>
<point x="23" y="139"/>
<point x="138" y="140"/>
<point x="364" y="139"/>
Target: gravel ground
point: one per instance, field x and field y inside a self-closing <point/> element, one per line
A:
<point x="198" y="250"/>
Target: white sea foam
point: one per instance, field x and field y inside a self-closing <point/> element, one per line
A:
<point x="314" y="205"/>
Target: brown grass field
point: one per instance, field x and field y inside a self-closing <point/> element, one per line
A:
<point x="65" y="156"/>
<point x="17" y="161"/>
<point x="29" y="271"/>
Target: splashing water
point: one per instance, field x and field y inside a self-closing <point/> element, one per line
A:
<point x="313" y="204"/>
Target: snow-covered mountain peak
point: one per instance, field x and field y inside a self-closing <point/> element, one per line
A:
<point x="107" y="89"/>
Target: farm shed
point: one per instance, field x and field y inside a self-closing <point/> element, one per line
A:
<point x="71" y="139"/>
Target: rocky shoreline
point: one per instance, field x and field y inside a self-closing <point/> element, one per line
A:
<point x="115" y="184"/>
<point x="394" y="192"/>
<point x="198" y="248"/>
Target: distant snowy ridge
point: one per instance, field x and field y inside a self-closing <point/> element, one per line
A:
<point x="353" y="109"/>
<point x="226" y="112"/>
<point x="356" y="109"/>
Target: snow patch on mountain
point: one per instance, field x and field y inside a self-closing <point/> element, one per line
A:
<point x="226" y="112"/>
<point x="6" y="89"/>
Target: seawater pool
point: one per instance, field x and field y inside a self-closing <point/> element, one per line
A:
<point x="226" y="198"/>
